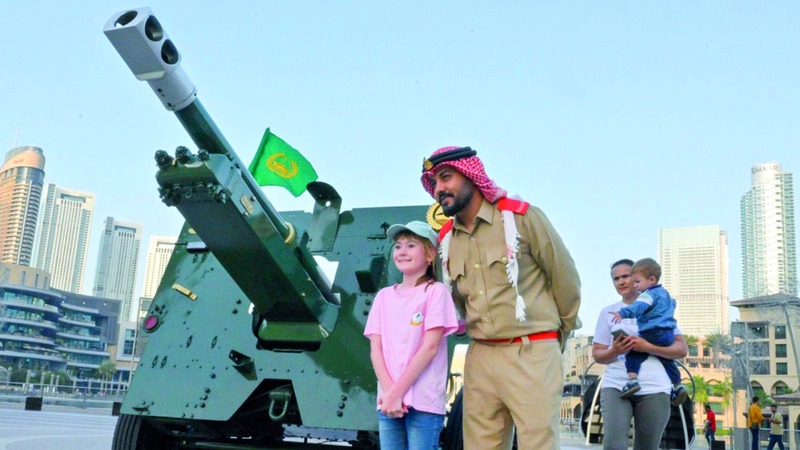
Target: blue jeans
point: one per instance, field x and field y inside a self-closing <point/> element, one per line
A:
<point x="416" y="430"/>
<point x="775" y="439"/>
<point x="661" y="337"/>
<point x="755" y="443"/>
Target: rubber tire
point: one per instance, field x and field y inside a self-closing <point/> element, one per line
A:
<point x="453" y="434"/>
<point x="133" y="433"/>
<point x="452" y="437"/>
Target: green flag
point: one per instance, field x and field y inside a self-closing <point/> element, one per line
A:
<point x="278" y="164"/>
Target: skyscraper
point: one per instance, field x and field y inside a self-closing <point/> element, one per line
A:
<point x="158" y="254"/>
<point x="63" y="238"/>
<point x="21" y="180"/>
<point x="769" y="252"/>
<point x="117" y="264"/>
<point x="694" y="265"/>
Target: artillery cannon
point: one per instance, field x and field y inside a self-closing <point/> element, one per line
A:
<point x="248" y="341"/>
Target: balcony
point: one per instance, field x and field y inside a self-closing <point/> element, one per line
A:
<point x="31" y="354"/>
<point x="32" y="323"/>
<point x="82" y="365"/>
<point x="30" y="306"/>
<point x="79" y="323"/>
<point x="82" y="309"/>
<point x="31" y="339"/>
<point x="84" y="351"/>
<point x="78" y="336"/>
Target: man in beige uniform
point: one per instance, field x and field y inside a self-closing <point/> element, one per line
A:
<point x="518" y="314"/>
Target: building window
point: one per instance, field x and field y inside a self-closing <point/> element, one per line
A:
<point x="760" y="367"/>
<point x="780" y="332"/>
<point x="693" y="350"/>
<point x="781" y="369"/>
<point x="780" y="350"/>
<point x="127" y="350"/>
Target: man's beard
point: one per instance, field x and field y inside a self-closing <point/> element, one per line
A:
<point x="459" y="202"/>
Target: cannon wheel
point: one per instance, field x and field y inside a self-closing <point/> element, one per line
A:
<point x="134" y="433"/>
<point x="452" y="437"/>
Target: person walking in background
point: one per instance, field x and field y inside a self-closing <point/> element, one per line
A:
<point x="650" y="407"/>
<point x="406" y="328"/>
<point x="710" y="426"/>
<point x="517" y="284"/>
<point x="775" y="428"/>
<point x="754" y="418"/>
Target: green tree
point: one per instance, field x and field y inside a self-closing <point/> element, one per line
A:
<point x="691" y="341"/>
<point x="764" y="399"/>
<point x="724" y="389"/>
<point x="700" y="389"/>
<point x="106" y="371"/>
<point x="719" y="344"/>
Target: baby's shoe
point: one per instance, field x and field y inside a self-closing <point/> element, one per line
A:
<point x="679" y="395"/>
<point x="630" y="388"/>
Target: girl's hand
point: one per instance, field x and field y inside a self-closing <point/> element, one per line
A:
<point x="392" y="405"/>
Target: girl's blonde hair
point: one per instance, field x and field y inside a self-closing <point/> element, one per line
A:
<point x="431" y="273"/>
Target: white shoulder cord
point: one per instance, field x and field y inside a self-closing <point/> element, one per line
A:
<point x="512" y="265"/>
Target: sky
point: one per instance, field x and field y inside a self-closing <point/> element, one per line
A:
<point x="615" y="118"/>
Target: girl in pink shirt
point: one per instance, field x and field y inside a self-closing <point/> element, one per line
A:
<point x="406" y="327"/>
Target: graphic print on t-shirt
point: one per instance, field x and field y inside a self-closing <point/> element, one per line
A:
<point x="416" y="319"/>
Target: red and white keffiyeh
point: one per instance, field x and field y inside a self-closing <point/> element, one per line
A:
<point x="472" y="168"/>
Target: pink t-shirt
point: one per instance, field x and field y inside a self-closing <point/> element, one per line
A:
<point x="401" y="318"/>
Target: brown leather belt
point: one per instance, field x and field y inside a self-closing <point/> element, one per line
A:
<point x="531" y="337"/>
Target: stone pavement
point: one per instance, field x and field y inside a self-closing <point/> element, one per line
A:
<point x="55" y="428"/>
<point x="68" y="428"/>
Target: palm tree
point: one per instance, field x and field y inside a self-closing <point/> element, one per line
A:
<point x="724" y="389"/>
<point x="106" y="370"/>
<point x="764" y="399"/>
<point x="691" y="341"/>
<point x="700" y="389"/>
<point x="719" y="343"/>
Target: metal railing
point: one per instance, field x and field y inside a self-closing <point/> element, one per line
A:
<point x="63" y="395"/>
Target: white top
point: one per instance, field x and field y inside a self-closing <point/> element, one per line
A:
<point x="652" y="377"/>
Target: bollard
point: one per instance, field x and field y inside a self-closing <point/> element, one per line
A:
<point x="33" y="403"/>
<point x="115" y="408"/>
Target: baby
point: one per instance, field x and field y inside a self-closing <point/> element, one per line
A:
<point x="654" y="311"/>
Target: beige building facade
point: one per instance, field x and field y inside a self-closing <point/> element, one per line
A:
<point x="694" y="265"/>
<point x="21" y="182"/>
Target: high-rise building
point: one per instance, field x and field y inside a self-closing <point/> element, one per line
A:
<point x="769" y="252"/>
<point x="694" y="269"/>
<point x="158" y="254"/>
<point x="117" y="264"/>
<point x="21" y="180"/>
<point x="63" y="238"/>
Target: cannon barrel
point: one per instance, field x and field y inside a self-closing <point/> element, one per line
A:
<point x="266" y="256"/>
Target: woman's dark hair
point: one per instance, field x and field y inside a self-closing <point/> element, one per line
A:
<point x="626" y="261"/>
<point x="755" y="398"/>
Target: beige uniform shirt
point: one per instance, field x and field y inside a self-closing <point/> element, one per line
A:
<point x="548" y="280"/>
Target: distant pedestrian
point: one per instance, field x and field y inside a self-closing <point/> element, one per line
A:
<point x="776" y="428"/>
<point x="754" y="418"/>
<point x="711" y="426"/>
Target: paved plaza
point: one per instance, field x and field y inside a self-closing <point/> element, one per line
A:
<point x="67" y="428"/>
<point x="55" y="428"/>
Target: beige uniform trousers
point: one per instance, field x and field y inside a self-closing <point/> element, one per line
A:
<point x="512" y="384"/>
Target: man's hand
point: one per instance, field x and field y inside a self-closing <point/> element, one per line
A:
<point x="617" y="318"/>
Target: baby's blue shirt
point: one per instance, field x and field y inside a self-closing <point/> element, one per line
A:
<point x="661" y="315"/>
